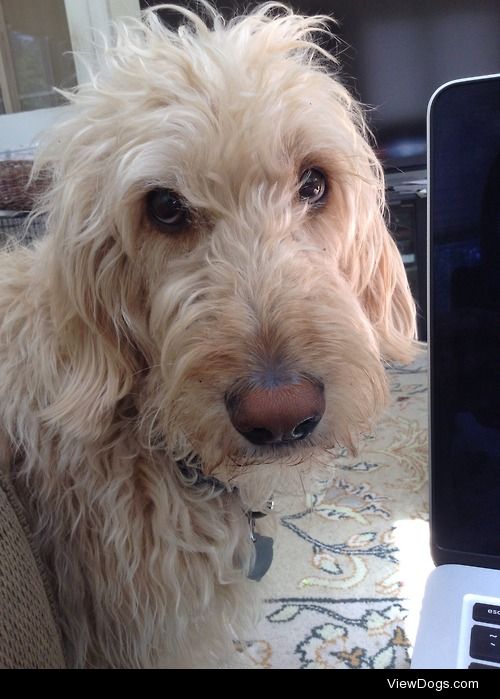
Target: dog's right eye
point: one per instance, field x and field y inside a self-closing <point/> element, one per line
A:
<point x="312" y="186"/>
<point x="167" y="210"/>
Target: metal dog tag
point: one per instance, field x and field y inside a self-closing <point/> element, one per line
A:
<point x="263" y="556"/>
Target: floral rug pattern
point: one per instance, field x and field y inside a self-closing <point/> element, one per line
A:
<point x="336" y="595"/>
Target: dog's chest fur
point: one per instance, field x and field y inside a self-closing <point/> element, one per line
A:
<point x="143" y="563"/>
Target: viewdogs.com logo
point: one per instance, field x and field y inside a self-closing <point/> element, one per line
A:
<point x="437" y="685"/>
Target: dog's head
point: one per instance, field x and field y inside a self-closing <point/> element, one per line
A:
<point x="221" y="267"/>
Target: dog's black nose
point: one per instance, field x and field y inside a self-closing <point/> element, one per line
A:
<point x="283" y="414"/>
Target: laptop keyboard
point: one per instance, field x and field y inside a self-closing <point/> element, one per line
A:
<point x="484" y="642"/>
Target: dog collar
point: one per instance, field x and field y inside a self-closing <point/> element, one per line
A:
<point x="263" y="544"/>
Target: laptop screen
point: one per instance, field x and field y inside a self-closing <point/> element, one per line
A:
<point x="464" y="317"/>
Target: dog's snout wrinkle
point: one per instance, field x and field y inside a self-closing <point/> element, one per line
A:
<point x="277" y="414"/>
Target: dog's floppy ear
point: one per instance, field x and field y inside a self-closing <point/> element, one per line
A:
<point x="375" y="269"/>
<point x="99" y="342"/>
<point x="97" y="346"/>
<point x="388" y="300"/>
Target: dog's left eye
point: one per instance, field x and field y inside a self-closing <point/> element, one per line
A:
<point x="166" y="209"/>
<point x="312" y="186"/>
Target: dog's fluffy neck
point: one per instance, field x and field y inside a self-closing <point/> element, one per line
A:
<point x="158" y="532"/>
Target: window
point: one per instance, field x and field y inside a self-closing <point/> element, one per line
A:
<point x="36" y="44"/>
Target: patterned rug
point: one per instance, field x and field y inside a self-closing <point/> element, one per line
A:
<point x="346" y="584"/>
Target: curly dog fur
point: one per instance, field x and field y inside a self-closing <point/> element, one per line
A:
<point x="121" y="340"/>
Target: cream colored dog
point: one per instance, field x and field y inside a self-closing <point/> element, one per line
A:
<point x="209" y="312"/>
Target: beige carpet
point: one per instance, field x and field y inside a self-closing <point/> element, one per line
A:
<point x="347" y="580"/>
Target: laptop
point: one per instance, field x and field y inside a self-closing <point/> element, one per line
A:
<point x="460" y="618"/>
